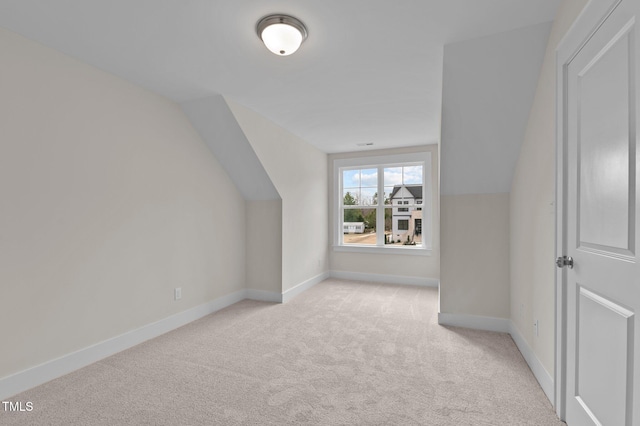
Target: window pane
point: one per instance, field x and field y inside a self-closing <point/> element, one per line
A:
<point x="350" y="196"/>
<point x="387" y="194"/>
<point x="360" y="187"/>
<point x="392" y="176"/>
<point x="368" y="196"/>
<point x="412" y="175"/>
<point x="417" y="226"/>
<point x="369" y="219"/>
<point x="398" y="178"/>
<point x="359" y="197"/>
<point x="369" y="178"/>
<point x="359" y="226"/>
<point x="388" y="226"/>
<point x="351" y="178"/>
<point x="369" y="190"/>
<point x="403" y="228"/>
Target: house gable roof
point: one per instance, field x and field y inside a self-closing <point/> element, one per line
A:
<point x="415" y="190"/>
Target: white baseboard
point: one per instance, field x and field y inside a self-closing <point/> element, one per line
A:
<point x="345" y="275"/>
<point x="383" y="278"/>
<point x="541" y="374"/>
<point x="27" y="379"/>
<point x="474" y="321"/>
<point x="264" y="296"/>
<point x="503" y="325"/>
<point x="303" y="286"/>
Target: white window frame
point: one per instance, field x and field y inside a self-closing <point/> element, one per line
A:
<point x="382" y="162"/>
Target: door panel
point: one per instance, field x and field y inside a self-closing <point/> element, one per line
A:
<point x="604" y="338"/>
<point x="603" y="288"/>
<point x="604" y="169"/>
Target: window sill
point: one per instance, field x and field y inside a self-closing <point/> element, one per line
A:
<point x="404" y="251"/>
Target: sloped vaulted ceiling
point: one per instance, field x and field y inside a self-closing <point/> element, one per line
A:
<point x="370" y="71"/>
<point x="489" y="85"/>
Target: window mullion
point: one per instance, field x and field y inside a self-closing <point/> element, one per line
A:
<point x="380" y="208"/>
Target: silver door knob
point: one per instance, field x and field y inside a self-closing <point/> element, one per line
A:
<point x="563" y="261"/>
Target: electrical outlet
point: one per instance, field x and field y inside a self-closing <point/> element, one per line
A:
<point x="536" y="328"/>
<point x="177" y="293"/>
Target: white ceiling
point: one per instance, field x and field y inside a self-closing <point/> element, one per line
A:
<point x="370" y="70"/>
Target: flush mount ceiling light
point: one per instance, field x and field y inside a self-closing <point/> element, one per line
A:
<point x="282" y="34"/>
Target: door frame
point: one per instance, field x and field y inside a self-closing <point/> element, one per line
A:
<point x="583" y="28"/>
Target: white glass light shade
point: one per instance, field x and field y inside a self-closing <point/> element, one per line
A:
<point x="281" y="39"/>
<point x="282" y="34"/>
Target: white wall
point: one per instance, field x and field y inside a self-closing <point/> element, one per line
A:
<point x="108" y="200"/>
<point x="264" y="245"/>
<point x="531" y="207"/>
<point x="299" y="172"/>
<point x="218" y="128"/>
<point x="412" y="266"/>
<point x="488" y="88"/>
<point x="475" y="255"/>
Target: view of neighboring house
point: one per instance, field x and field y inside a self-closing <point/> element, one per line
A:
<point x="353" y="227"/>
<point x="407" y="212"/>
<point x="405" y="223"/>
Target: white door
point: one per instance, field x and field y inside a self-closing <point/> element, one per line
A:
<point x="603" y="287"/>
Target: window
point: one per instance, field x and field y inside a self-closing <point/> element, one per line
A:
<point x="379" y="203"/>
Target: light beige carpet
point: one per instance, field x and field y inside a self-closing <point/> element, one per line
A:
<point x="342" y="353"/>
